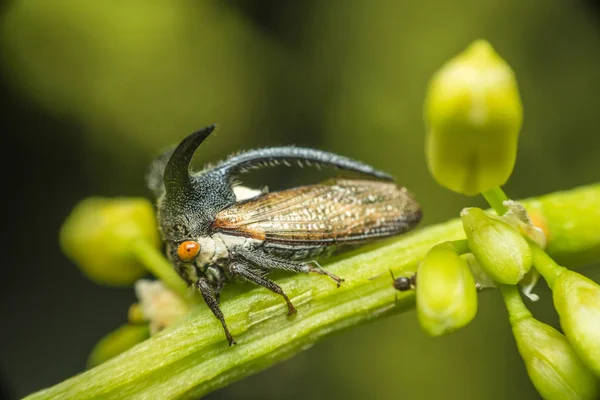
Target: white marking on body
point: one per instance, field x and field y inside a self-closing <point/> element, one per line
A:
<point x="207" y="249"/>
<point x="216" y="247"/>
<point x="245" y="193"/>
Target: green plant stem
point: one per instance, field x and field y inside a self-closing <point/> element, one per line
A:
<point x="158" y="266"/>
<point x="191" y="358"/>
<point x="544" y="264"/>
<point x="514" y="303"/>
<point x="495" y="198"/>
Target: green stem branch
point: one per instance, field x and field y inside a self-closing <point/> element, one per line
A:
<point x="191" y="358"/>
<point x="544" y="264"/>
<point x="514" y="303"/>
<point x="158" y="266"/>
<point x="495" y="198"/>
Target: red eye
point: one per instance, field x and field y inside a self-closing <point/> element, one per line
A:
<point x="188" y="250"/>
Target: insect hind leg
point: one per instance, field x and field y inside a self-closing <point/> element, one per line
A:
<point x="319" y="270"/>
<point x="267" y="263"/>
<point x="245" y="272"/>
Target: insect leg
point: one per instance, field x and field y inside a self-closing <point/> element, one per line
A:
<point x="246" y="273"/>
<point x="213" y="304"/>
<point x="267" y="262"/>
<point x="319" y="270"/>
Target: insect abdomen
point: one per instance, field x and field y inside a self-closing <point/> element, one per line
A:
<point x="297" y="253"/>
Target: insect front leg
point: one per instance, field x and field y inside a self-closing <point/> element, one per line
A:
<point x="212" y="302"/>
<point x="268" y="262"/>
<point x="246" y="273"/>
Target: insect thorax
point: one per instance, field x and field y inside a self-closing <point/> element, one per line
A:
<point x="216" y="248"/>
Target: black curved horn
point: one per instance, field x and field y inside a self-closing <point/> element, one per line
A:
<point x="176" y="174"/>
<point x="274" y="156"/>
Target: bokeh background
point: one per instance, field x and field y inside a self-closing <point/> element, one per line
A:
<point x="91" y="91"/>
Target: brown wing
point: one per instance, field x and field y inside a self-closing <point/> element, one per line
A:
<point x="335" y="211"/>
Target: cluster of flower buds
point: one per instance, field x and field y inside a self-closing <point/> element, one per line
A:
<point x="577" y="301"/>
<point x="552" y="364"/>
<point x="473" y="114"/>
<point x="116" y="242"/>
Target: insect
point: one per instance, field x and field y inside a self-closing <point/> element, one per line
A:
<point x="212" y="238"/>
<point x="404" y="283"/>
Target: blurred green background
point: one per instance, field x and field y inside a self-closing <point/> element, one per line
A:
<point x="92" y="91"/>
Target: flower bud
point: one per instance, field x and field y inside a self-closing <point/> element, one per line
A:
<point x="501" y="251"/>
<point x="117" y="342"/>
<point x="552" y="364"/>
<point x="99" y="233"/>
<point x="473" y="114"/>
<point x="577" y="301"/>
<point x="446" y="292"/>
<point x="135" y="315"/>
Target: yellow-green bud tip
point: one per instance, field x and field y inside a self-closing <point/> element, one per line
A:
<point x="500" y="249"/>
<point x="481" y="54"/>
<point x="446" y="291"/>
<point x="473" y="114"/>
<point x="99" y="234"/>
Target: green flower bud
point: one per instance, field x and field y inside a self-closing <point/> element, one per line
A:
<point x="135" y="315"/>
<point x="473" y="114"/>
<point x="446" y="291"/>
<point x="117" y="342"/>
<point x="577" y="301"/>
<point x="501" y="251"/>
<point x="553" y="366"/>
<point x="99" y="233"/>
